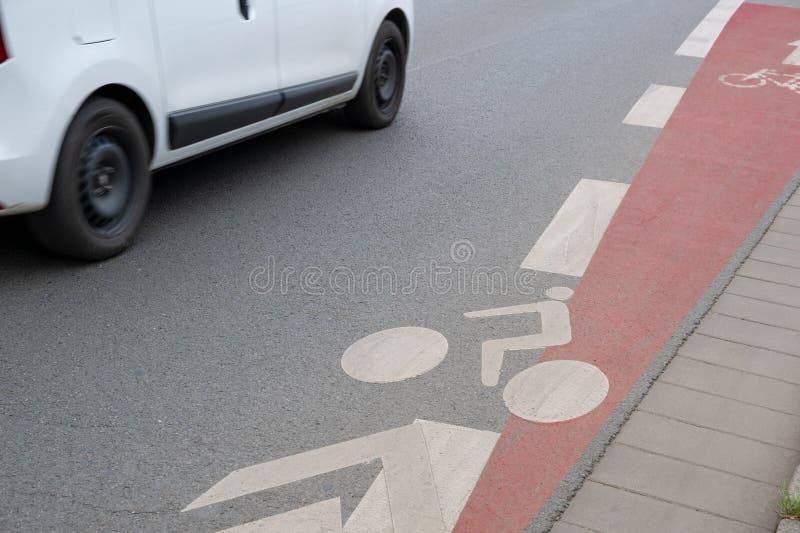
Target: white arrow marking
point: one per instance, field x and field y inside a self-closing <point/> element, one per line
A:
<point x="429" y="471"/>
<point x="322" y="517"/>
<point x="412" y="494"/>
<point x="456" y="455"/>
<point x="794" y="57"/>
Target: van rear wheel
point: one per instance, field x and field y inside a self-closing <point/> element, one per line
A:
<point x="101" y="186"/>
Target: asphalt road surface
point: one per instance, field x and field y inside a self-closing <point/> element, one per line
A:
<point x="130" y="387"/>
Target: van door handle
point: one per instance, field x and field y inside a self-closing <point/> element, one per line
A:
<point x="244" y="9"/>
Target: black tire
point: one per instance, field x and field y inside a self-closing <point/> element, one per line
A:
<point x="101" y="186"/>
<point x="378" y="101"/>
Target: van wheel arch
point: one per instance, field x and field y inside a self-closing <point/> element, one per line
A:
<point x="397" y="16"/>
<point x="131" y="100"/>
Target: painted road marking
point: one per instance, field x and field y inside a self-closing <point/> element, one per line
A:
<point x="706" y="33"/>
<point x="568" y="243"/>
<point x="412" y="495"/>
<point x="457" y="456"/>
<point x="725" y="155"/>
<point x="394" y="355"/>
<point x="794" y="57"/>
<point x="373" y="513"/>
<point x="761" y="78"/>
<point x="556" y="391"/>
<point x="562" y="294"/>
<point x="556" y="330"/>
<point x="655" y="106"/>
<point x="429" y="471"/>
<point x="322" y="517"/>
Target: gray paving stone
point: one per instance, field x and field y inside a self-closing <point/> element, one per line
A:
<point x="794" y="199"/>
<point x="741" y="357"/>
<point x="779" y="256"/>
<point x="765" y="290"/>
<point x="782" y="240"/>
<point x="564" y="527"/>
<point x="786" y="225"/>
<point x="701" y="488"/>
<point x="722" y="451"/>
<point x="770" y="272"/>
<point x="721" y="414"/>
<point x="758" y="311"/>
<point x="734" y="384"/>
<point x="610" y="510"/>
<point x="750" y="333"/>
<point x="790" y="211"/>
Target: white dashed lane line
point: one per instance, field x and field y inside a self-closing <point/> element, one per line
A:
<point x="569" y="242"/>
<point x="706" y="33"/>
<point x="655" y="106"/>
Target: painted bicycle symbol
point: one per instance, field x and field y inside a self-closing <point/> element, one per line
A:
<point x="554" y="391"/>
<point x="762" y="78"/>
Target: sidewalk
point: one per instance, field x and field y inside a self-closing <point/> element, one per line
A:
<point x="718" y="435"/>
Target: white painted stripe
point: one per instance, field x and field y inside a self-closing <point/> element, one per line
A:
<point x="706" y="33"/>
<point x="569" y="242"/>
<point x="794" y="57"/>
<point x="322" y="517"/>
<point x="655" y="106"/>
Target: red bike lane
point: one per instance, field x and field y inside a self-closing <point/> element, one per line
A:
<point x="722" y="159"/>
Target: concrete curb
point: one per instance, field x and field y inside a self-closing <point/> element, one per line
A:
<point x="791" y="526"/>
<point x="788" y="526"/>
<point x="573" y="481"/>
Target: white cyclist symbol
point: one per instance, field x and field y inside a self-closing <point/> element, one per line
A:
<point x="554" y="391"/>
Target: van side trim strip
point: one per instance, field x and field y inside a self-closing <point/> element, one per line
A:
<point x="197" y="124"/>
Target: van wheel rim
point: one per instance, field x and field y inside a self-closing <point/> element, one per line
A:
<point x="105" y="182"/>
<point x="387" y="75"/>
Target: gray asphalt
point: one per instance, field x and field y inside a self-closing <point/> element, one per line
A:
<point x="130" y="387"/>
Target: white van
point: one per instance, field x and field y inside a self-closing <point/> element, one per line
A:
<point x="95" y="94"/>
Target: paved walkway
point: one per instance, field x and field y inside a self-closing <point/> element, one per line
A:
<point x="718" y="435"/>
